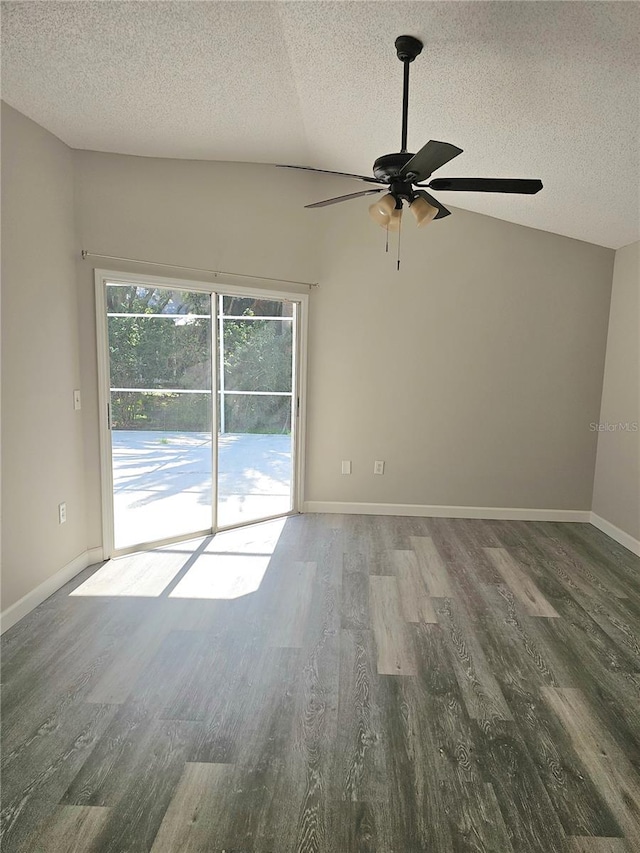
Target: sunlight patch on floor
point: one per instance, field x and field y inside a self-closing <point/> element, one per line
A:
<point x="222" y="576"/>
<point x="256" y="539"/>
<point x="228" y="565"/>
<point x="145" y="574"/>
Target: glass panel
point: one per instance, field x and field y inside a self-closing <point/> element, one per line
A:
<point x="255" y="414"/>
<point x="257" y="355"/>
<point x="242" y="306"/>
<point x="161" y="405"/>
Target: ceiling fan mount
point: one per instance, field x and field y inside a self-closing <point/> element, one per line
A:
<point x="408" y="47"/>
<point x="402" y="174"/>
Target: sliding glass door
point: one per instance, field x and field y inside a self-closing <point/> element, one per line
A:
<point x="160" y="412"/>
<point x="175" y="362"/>
<point x="255" y="424"/>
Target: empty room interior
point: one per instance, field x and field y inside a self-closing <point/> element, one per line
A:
<point x="320" y="427"/>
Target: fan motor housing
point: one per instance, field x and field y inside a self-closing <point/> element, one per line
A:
<point x="388" y="167"/>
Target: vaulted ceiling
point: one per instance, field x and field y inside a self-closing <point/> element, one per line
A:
<point x="527" y="89"/>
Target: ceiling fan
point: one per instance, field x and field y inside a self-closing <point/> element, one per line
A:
<point x="403" y="173"/>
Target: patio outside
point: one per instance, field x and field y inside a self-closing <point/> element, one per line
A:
<point x="162" y="481"/>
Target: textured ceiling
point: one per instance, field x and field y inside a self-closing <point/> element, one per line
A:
<point x="527" y="89"/>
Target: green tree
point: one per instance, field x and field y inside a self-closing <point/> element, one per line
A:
<point x="174" y="352"/>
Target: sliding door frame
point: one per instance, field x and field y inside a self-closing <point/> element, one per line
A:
<point x="299" y="377"/>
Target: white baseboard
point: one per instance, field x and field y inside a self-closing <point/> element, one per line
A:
<point x="616" y="533"/>
<point x="426" y="511"/>
<point x="32" y="599"/>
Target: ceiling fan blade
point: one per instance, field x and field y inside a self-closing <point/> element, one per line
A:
<point x="328" y="172"/>
<point x="342" y="198"/>
<point x="442" y="210"/>
<point x="429" y="158"/>
<point x="488" y="185"/>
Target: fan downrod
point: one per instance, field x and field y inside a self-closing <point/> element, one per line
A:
<point x="407" y="48"/>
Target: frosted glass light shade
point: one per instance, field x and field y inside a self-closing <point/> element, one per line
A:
<point x="394" y="220"/>
<point x="378" y="215"/>
<point x="381" y="211"/>
<point x="423" y="211"/>
<point x="386" y="204"/>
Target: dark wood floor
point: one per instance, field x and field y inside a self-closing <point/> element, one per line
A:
<point x="394" y="684"/>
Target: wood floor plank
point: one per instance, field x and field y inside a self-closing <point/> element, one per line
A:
<point x="521" y="585"/>
<point x="355" y="593"/>
<point x="316" y="716"/>
<point x="461" y="547"/>
<point x="198" y="813"/>
<point x="325" y="711"/>
<point x="579" y="806"/>
<point x="481" y="691"/>
<point x="613" y="695"/>
<point x="70" y="829"/>
<point x="147" y="573"/>
<point x="516" y="643"/>
<point x="451" y="734"/>
<point x="372" y="537"/>
<point x="289" y="619"/>
<point x="49" y="764"/>
<point x="17" y="826"/>
<point x="134" y="748"/>
<point x="610" y="770"/>
<point x="589" y="844"/>
<point x="135" y="653"/>
<point x="560" y="552"/>
<point x="475" y="819"/>
<point x="358" y="827"/>
<point x="395" y="654"/>
<point x="432" y="567"/>
<point x="270" y="771"/>
<point x="56" y="676"/>
<point x="615" y="564"/>
<point x="577" y="623"/>
<point x="414" y="599"/>
<point x="612" y="613"/>
<point x="360" y="771"/>
<point x="136" y="781"/>
<point x="575" y="619"/>
<point x="416" y="815"/>
<point x="528" y="813"/>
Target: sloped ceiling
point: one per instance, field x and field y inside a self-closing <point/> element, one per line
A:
<point x="527" y="89"/>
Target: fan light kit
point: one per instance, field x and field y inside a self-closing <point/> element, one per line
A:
<point x="403" y="174"/>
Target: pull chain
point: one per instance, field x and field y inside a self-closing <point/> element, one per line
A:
<point x="399" y="235"/>
<point x="386" y="247"/>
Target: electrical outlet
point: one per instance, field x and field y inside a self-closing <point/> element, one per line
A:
<point x="378" y="467"/>
<point x="62" y="513"/>
<point x="346" y="466"/>
<point x="77" y="403"/>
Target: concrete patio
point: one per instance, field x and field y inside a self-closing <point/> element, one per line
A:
<point x="162" y="482"/>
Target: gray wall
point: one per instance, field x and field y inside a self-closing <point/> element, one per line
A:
<point x="474" y="372"/>
<point x="616" y="492"/>
<point x="42" y="443"/>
